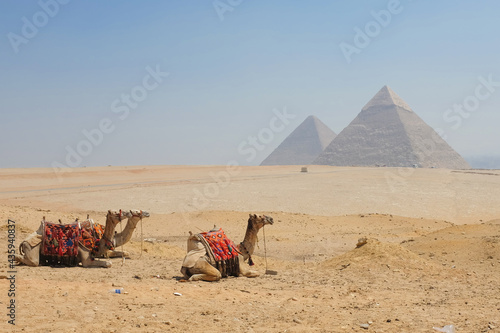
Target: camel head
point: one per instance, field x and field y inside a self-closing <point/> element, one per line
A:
<point x="139" y="213"/>
<point x="258" y="222"/>
<point x="116" y="216"/>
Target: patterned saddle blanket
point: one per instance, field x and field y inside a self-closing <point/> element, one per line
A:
<point x="91" y="235"/>
<point x="221" y="251"/>
<point x="59" y="244"/>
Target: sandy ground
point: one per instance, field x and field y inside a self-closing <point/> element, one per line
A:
<point x="432" y="257"/>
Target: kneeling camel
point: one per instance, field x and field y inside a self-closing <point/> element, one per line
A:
<point x="30" y="254"/>
<point x="196" y="265"/>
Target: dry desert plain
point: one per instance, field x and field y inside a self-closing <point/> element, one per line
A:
<point x="432" y="257"/>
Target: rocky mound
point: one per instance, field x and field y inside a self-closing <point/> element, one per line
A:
<point x="475" y="248"/>
<point x="376" y="258"/>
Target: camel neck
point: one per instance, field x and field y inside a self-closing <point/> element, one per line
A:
<point x="109" y="230"/>
<point x="125" y="236"/>
<point x="249" y="240"/>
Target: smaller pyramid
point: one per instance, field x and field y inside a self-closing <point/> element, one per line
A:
<point x="303" y="145"/>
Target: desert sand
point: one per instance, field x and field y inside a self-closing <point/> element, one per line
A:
<point x="432" y="257"/>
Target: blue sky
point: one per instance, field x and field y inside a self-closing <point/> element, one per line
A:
<point x="224" y="69"/>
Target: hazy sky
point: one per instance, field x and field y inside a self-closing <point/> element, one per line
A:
<point x="89" y="83"/>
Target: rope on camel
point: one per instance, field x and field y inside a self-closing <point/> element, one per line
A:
<point x="123" y="253"/>
<point x="142" y="239"/>
<point x="265" y="246"/>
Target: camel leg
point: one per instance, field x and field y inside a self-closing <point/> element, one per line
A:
<point x="31" y="255"/>
<point x="202" y="270"/>
<point x="22" y="260"/>
<point x="87" y="261"/>
<point x="117" y="254"/>
<point x="245" y="269"/>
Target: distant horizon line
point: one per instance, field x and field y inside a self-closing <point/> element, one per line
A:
<point x="484" y="158"/>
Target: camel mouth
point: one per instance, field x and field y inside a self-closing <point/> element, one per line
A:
<point x="268" y="220"/>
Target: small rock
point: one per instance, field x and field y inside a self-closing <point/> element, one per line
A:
<point x="365" y="326"/>
<point x="491" y="326"/>
<point x="362" y="241"/>
<point x="297" y="321"/>
<point x="294" y="299"/>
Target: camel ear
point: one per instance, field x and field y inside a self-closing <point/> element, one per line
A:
<point x="249" y="215"/>
<point x="255" y="215"/>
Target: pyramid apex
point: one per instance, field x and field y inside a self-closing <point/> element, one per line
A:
<point x="385" y="97"/>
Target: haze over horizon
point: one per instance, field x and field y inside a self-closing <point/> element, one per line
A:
<point x="127" y="83"/>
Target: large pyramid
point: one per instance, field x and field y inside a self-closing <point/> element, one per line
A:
<point x="303" y="145"/>
<point x="388" y="133"/>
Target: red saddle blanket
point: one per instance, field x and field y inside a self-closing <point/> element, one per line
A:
<point x="222" y="247"/>
<point x="60" y="243"/>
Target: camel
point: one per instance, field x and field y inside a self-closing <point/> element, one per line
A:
<point x="29" y="249"/>
<point x="197" y="266"/>
<point x="125" y="235"/>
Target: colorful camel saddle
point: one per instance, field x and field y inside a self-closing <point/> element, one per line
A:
<point x="221" y="251"/>
<point x="59" y="244"/>
<point x="91" y="236"/>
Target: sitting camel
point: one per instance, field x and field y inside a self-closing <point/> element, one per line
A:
<point x="29" y="249"/>
<point x="197" y="266"/>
